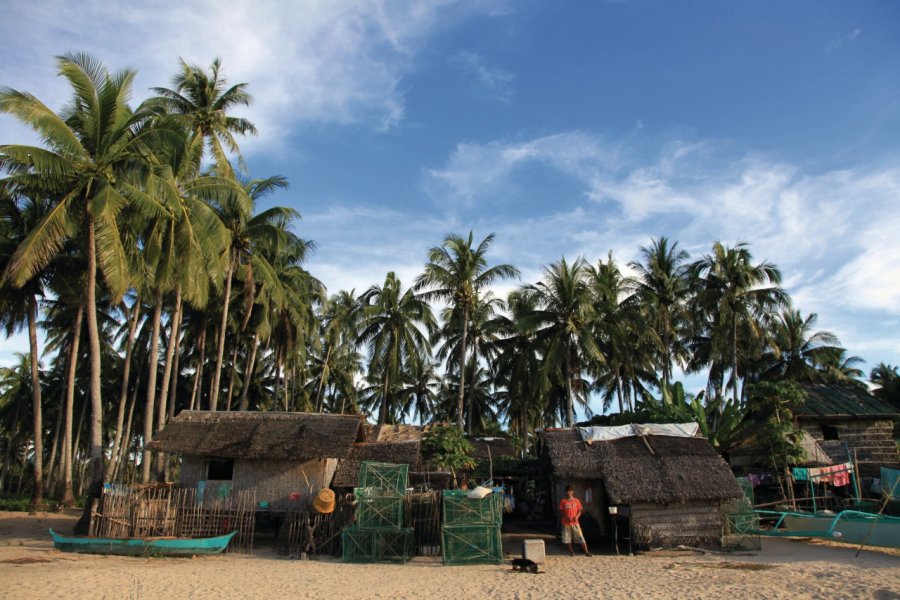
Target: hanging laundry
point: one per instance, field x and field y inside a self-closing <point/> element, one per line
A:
<point x="800" y="473"/>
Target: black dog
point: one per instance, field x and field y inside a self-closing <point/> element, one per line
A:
<point x="523" y="565"/>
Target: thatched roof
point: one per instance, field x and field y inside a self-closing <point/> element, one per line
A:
<point x="395" y="433"/>
<point x="398" y="453"/>
<point x="499" y="446"/>
<point x="258" y="435"/>
<point x="678" y="469"/>
<point x="829" y="401"/>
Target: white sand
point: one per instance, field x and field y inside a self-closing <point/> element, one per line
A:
<point x="31" y="568"/>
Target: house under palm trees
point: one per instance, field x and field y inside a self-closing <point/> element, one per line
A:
<point x="849" y="423"/>
<point x="276" y="454"/>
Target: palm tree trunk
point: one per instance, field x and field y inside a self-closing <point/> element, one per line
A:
<point x="322" y="379"/>
<point x="68" y="498"/>
<point x="231" y="377"/>
<point x="151" y="386"/>
<point x="198" y="372"/>
<point x="123" y="391"/>
<point x="50" y="482"/>
<point x="96" y="433"/>
<point x="667" y="365"/>
<point x="37" y="494"/>
<point x="248" y="376"/>
<point x="462" y="370"/>
<point x="173" y="386"/>
<point x="734" y="369"/>
<point x="570" y="402"/>
<point x="171" y="347"/>
<point x="128" y="438"/>
<point x="619" y="391"/>
<point x="471" y="401"/>
<point x="382" y="413"/>
<point x="220" y="351"/>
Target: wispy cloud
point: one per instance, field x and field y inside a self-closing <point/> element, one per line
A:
<point x="843" y="38"/>
<point x="307" y="62"/>
<point x="492" y="82"/>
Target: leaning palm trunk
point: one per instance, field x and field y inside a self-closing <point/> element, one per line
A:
<point x="460" y="407"/>
<point x="248" y="376"/>
<point x="220" y="351"/>
<point x="51" y="481"/>
<point x="171" y="347"/>
<point x="382" y="414"/>
<point x="151" y="387"/>
<point x="734" y="368"/>
<point x="96" y="433"/>
<point x="320" y="404"/>
<point x="198" y="371"/>
<point x="37" y="495"/>
<point x="123" y="391"/>
<point x="68" y="498"/>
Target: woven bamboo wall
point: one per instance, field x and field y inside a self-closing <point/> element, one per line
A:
<point x="691" y="524"/>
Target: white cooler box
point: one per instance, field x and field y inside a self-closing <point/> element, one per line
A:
<point x="533" y="550"/>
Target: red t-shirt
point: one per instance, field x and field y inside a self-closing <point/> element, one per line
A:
<point x="569" y="510"/>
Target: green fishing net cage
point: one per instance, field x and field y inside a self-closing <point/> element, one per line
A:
<point x="369" y="545"/>
<point x="376" y="509"/>
<point x="471" y="544"/>
<point x="390" y="478"/>
<point x="459" y="509"/>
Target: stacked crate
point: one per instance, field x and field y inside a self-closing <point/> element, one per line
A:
<point x="379" y="535"/>
<point x="471" y="528"/>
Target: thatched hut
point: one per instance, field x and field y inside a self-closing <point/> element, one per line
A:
<point x="671" y="488"/>
<point x="280" y="455"/>
<point x="849" y="423"/>
<point x="398" y="453"/>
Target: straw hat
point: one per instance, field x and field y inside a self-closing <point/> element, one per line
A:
<point x="324" y="502"/>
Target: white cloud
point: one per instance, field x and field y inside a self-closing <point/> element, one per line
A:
<point x="495" y="83"/>
<point x="306" y="62"/>
<point x="833" y="233"/>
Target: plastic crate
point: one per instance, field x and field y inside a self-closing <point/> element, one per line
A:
<point x="471" y="544"/>
<point x="367" y="545"/>
<point x="385" y="476"/>
<point x="459" y="509"/>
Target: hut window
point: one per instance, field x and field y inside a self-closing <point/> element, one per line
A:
<point x="220" y="469"/>
<point x="830" y="433"/>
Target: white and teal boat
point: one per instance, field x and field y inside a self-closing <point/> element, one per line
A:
<point x="850" y="526"/>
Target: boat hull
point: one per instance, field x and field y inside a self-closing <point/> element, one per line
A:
<point x="854" y="529"/>
<point x="142" y="546"/>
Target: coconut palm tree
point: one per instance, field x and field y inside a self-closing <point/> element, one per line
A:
<point x="458" y="273"/>
<point x="91" y="162"/>
<point x="202" y="102"/>
<point x="562" y="327"/>
<point x="19" y="305"/>
<point x="732" y="299"/>
<point x="797" y="352"/>
<point x="392" y="329"/>
<point x="662" y="291"/>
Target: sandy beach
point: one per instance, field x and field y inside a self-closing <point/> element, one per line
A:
<point x="31" y="568"/>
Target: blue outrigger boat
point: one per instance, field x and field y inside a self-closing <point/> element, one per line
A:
<point x="161" y="546"/>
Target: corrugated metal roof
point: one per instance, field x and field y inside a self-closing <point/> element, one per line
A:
<point x="824" y="400"/>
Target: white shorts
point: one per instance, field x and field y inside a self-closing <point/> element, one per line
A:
<point x="572" y="534"/>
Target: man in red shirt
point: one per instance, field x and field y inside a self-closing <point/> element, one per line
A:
<point x="570" y="510"/>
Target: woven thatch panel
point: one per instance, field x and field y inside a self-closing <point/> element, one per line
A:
<point x="395" y="433"/>
<point x="655" y="469"/>
<point x="275" y="436"/>
<point x="398" y="453"/>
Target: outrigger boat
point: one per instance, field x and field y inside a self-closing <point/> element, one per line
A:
<point x="849" y="526"/>
<point x="158" y="546"/>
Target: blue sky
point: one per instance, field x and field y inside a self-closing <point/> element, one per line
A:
<point x="567" y="128"/>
